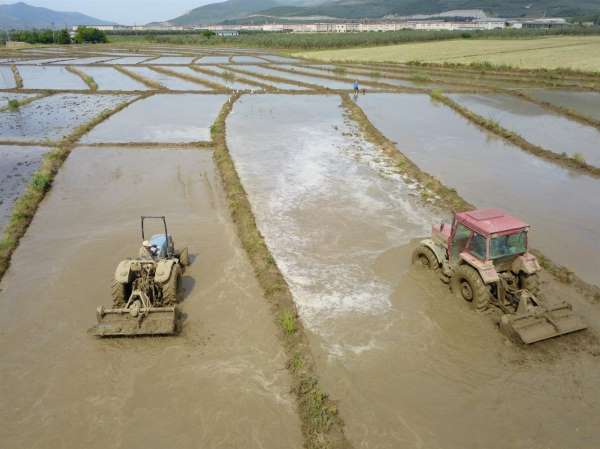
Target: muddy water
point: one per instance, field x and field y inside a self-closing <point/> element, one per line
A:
<point x="17" y="164"/>
<point x="322" y="82"/>
<point x="7" y="80"/>
<point x="326" y="209"/>
<point x="48" y="77"/>
<point x="412" y="366"/>
<point x="53" y="117"/>
<point x="183" y="60"/>
<point x="488" y="172"/>
<point x="586" y="103"/>
<point x="247" y="60"/>
<point x="109" y="78"/>
<point x="161" y="118"/>
<point x="537" y="125"/>
<point x="5" y="97"/>
<point x="129" y="60"/>
<point x="228" y="84"/>
<point x="282" y="86"/>
<point x="213" y="60"/>
<point x="170" y="82"/>
<point x="220" y="384"/>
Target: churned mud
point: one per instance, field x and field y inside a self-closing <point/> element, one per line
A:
<point x="173" y="118"/>
<point x="585" y="103"/>
<point x="220" y="383"/>
<point x="17" y="165"/>
<point x="536" y="125"/>
<point x="50" y="77"/>
<point x="562" y="206"/>
<point x="5" y="97"/>
<point x="414" y="366"/>
<point x="53" y="117"/>
<point x="108" y="78"/>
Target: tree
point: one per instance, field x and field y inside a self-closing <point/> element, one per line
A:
<point x="90" y="35"/>
<point x="63" y="37"/>
<point x="208" y="34"/>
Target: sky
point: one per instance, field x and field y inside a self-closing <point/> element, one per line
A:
<point x="124" y="12"/>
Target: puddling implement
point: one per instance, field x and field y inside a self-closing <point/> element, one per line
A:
<point x="144" y="290"/>
<point x="484" y="256"/>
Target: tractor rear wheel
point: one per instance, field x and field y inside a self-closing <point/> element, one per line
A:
<point x="119" y="294"/>
<point x="531" y="283"/>
<point x="424" y="257"/>
<point x="169" y="288"/>
<point x="468" y="285"/>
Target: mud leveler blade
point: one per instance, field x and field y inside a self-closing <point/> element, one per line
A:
<point x="542" y="324"/>
<point x="121" y="322"/>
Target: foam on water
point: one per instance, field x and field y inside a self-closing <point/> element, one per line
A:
<point x="326" y="202"/>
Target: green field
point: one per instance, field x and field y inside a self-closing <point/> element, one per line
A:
<point x="578" y="53"/>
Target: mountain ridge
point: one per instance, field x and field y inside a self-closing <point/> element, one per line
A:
<point x="23" y="16"/>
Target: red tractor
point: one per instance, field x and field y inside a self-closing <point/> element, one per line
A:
<point x="484" y="255"/>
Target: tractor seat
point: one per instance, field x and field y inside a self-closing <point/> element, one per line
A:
<point x="160" y="241"/>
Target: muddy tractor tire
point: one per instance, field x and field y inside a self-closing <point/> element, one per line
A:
<point x="424" y="257"/>
<point x="119" y="294"/>
<point x="468" y="285"/>
<point x="169" y="288"/>
<point x="531" y="283"/>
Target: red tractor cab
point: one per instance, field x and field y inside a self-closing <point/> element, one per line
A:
<point x="484" y="255"/>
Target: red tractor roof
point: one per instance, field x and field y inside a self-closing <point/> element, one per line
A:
<point x="490" y="221"/>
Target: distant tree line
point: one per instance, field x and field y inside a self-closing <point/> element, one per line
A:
<point x="60" y="37"/>
<point x="310" y="41"/>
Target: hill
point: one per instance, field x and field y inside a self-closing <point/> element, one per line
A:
<point x="23" y="16"/>
<point x="353" y="9"/>
<point x="218" y="12"/>
<point x="239" y="11"/>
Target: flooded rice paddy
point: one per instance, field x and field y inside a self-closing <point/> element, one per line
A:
<point x="408" y="364"/>
<point x="417" y="368"/>
<point x="173" y="118"/>
<point x="50" y="77"/>
<point x="538" y="126"/>
<point x="52" y="118"/>
<point x="17" y="165"/>
<point x="489" y="172"/>
<point x="167" y="81"/>
<point x="221" y="383"/>
<point x="585" y="103"/>
<point x="108" y="78"/>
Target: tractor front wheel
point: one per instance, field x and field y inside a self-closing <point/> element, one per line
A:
<point x="169" y="288"/>
<point x="468" y="285"/>
<point x="424" y="257"/>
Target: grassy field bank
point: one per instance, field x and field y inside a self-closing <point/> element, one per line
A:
<point x="574" y="52"/>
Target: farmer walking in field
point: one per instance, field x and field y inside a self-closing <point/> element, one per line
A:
<point x="355" y="86"/>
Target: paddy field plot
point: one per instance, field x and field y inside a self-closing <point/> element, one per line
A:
<point x="221" y="383"/>
<point x="173" y="118"/>
<point x="108" y="78"/>
<point x="585" y="103"/>
<point x="50" y="77"/>
<point x="168" y="81"/>
<point x="52" y="118"/>
<point x="7" y="80"/>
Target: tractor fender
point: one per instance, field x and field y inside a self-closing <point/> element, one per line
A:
<point x="123" y="271"/>
<point x="486" y="269"/>
<point x="438" y="251"/>
<point x="163" y="270"/>
<point x="526" y="263"/>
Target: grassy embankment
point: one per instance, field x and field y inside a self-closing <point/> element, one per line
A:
<point x="580" y="53"/>
<point x="91" y="83"/>
<point x="322" y="427"/>
<point x="41" y="181"/>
